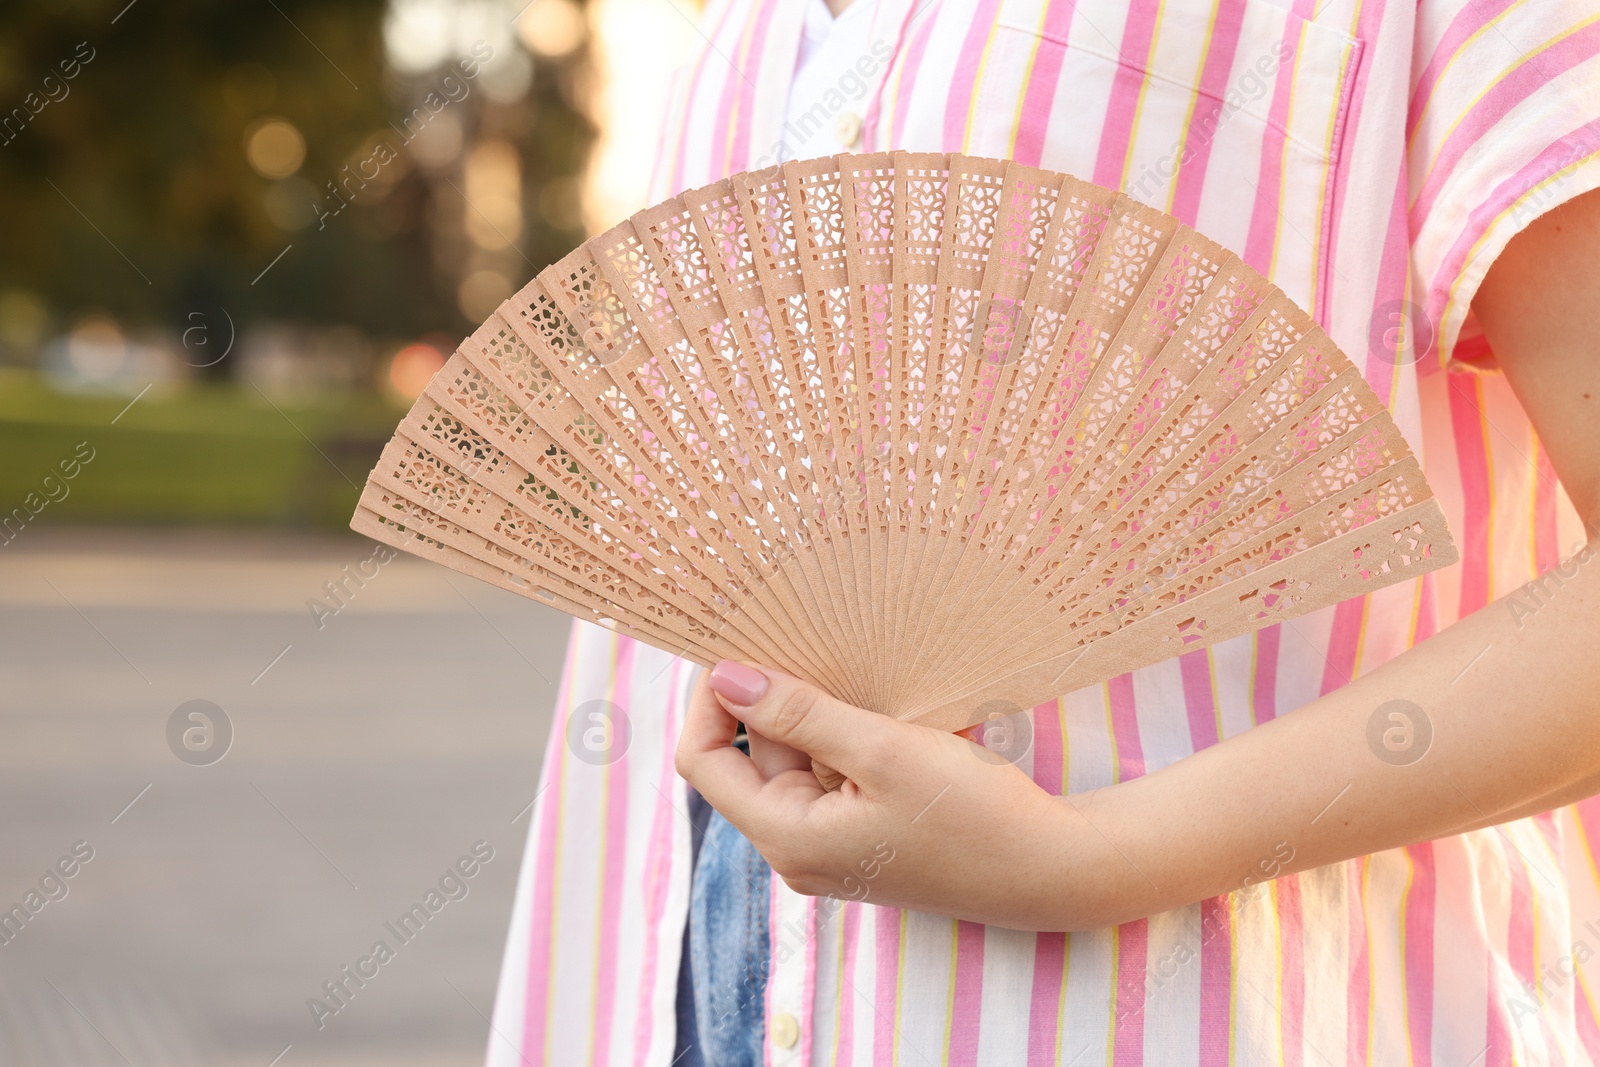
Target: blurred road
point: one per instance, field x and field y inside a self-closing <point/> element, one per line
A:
<point x="368" y="757"/>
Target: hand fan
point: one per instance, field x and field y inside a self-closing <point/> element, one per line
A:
<point x="940" y="434"/>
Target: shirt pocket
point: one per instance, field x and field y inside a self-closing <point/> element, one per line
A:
<point x="1230" y="116"/>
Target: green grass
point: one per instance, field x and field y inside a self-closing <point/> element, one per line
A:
<point x="199" y="454"/>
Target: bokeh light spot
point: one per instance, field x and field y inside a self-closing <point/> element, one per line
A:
<point x="552" y="28"/>
<point x="291" y="204"/>
<point x="413" y="367"/>
<point x="481" y="292"/>
<point x="418" y="33"/>
<point x="274" y="148"/>
<point x="494" y="194"/>
<point x="23" y="319"/>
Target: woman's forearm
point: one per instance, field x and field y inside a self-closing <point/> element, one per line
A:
<point x="1510" y="699"/>
<point x="1510" y="693"/>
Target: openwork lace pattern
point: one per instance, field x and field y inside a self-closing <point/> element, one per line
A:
<point x="931" y="431"/>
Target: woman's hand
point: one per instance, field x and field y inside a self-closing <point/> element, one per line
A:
<point x="925" y="820"/>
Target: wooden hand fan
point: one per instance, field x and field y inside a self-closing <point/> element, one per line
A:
<point x="939" y="434"/>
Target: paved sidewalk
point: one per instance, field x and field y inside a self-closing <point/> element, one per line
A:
<point x="369" y="756"/>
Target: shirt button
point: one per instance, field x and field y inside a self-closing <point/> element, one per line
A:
<point x="848" y="129"/>
<point x="785" y="1031"/>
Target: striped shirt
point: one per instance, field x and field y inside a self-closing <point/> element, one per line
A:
<point x="1372" y="157"/>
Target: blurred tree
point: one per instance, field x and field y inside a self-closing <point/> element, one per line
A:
<point x="135" y="186"/>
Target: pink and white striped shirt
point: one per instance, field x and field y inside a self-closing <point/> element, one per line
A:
<point x="1372" y="157"/>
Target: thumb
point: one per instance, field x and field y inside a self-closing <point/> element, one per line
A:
<point x="800" y="715"/>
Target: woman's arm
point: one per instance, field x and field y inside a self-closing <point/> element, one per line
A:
<point x="1512" y="695"/>
<point x="1539" y="308"/>
<point x="1491" y="719"/>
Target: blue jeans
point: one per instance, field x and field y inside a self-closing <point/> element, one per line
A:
<point x="722" y="980"/>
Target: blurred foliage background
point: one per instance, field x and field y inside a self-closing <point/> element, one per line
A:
<point x="238" y="238"/>
<point x="235" y="240"/>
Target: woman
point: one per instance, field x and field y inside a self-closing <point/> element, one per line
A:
<point x="1399" y="871"/>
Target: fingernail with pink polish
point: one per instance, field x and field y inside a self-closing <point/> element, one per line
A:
<point x="737" y="683"/>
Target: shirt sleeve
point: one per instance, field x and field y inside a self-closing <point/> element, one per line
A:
<point x="1503" y="125"/>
